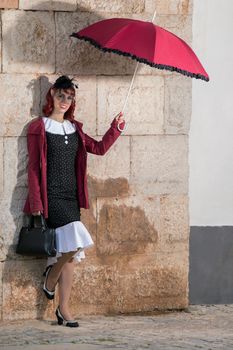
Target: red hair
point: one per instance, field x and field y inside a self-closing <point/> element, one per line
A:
<point x="49" y="106"/>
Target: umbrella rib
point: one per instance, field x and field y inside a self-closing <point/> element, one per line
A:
<point x="117" y="34"/>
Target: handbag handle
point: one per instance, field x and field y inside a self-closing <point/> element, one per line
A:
<point x="43" y="223"/>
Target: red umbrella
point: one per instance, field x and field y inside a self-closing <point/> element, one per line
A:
<point x="146" y="43"/>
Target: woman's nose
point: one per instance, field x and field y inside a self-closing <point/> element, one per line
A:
<point x="65" y="99"/>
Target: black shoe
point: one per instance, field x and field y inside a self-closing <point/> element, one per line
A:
<point x="61" y="320"/>
<point x="49" y="294"/>
<point x="47" y="268"/>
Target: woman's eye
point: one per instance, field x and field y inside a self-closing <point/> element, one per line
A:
<point x="63" y="97"/>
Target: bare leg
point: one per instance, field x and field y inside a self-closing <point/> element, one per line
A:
<point x="56" y="270"/>
<point x="65" y="285"/>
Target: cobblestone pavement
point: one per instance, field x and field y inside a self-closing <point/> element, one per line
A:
<point x="198" y="327"/>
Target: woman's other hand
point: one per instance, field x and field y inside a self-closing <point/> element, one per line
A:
<point x="36" y="213"/>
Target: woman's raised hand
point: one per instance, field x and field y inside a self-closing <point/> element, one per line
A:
<point x="119" y="117"/>
<point x="120" y="120"/>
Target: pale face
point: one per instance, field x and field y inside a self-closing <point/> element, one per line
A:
<point x="61" y="100"/>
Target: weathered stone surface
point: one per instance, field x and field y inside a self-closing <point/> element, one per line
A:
<point x="9" y="4"/>
<point x="1" y="166"/>
<point x="142" y="225"/>
<point x="3" y="249"/>
<point x="23" y="297"/>
<point x="1" y="265"/>
<point x="76" y="57"/>
<point x="15" y="168"/>
<point x="28" y="41"/>
<point x="108" y="175"/>
<point x="85" y="110"/>
<point x="114" y="164"/>
<point x="178" y="105"/>
<point x="110" y="187"/>
<point x="178" y="24"/>
<point x="52" y="5"/>
<point x="115" y="6"/>
<point x="174" y="222"/>
<point x="144" y="110"/>
<point x="131" y="283"/>
<point x="168" y="7"/>
<point x="127" y="225"/>
<point x="86" y="104"/>
<point x="183" y="7"/>
<point x="159" y="164"/>
<point x="11" y="221"/>
<point x="0" y="42"/>
<point x="21" y="94"/>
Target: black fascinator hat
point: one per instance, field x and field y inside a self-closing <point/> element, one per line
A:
<point x="64" y="82"/>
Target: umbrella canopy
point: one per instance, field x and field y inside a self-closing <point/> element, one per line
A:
<point x="146" y="43"/>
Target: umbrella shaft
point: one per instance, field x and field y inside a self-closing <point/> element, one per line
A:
<point x="131" y="85"/>
<point x="153" y="17"/>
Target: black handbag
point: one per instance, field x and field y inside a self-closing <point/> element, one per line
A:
<point x="37" y="239"/>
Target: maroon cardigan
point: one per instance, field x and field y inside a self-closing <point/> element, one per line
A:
<point x="37" y="163"/>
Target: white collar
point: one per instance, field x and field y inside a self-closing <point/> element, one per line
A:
<point x="55" y="127"/>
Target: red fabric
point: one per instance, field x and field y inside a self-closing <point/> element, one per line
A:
<point x="37" y="160"/>
<point x="144" y="40"/>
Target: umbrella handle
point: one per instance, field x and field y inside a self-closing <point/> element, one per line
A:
<point x="121" y="130"/>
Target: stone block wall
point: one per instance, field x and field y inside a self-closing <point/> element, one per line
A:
<point x="138" y="191"/>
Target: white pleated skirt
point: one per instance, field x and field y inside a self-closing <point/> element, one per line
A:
<point x="71" y="237"/>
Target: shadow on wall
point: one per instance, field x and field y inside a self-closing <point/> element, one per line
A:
<point x="39" y="41"/>
<point x="32" y="43"/>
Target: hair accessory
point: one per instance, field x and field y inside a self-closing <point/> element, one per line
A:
<point x="64" y="82"/>
<point x="74" y="83"/>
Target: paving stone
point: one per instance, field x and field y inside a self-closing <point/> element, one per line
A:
<point x="187" y="329"/>
<point x="1" y="165"/>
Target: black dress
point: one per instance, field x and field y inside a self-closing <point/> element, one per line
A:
<point x="63" y="206"/>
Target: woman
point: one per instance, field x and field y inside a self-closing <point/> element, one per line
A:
<point x="57" y="185"/>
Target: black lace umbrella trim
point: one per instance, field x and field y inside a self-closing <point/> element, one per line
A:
<point x="142" y="60"/>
